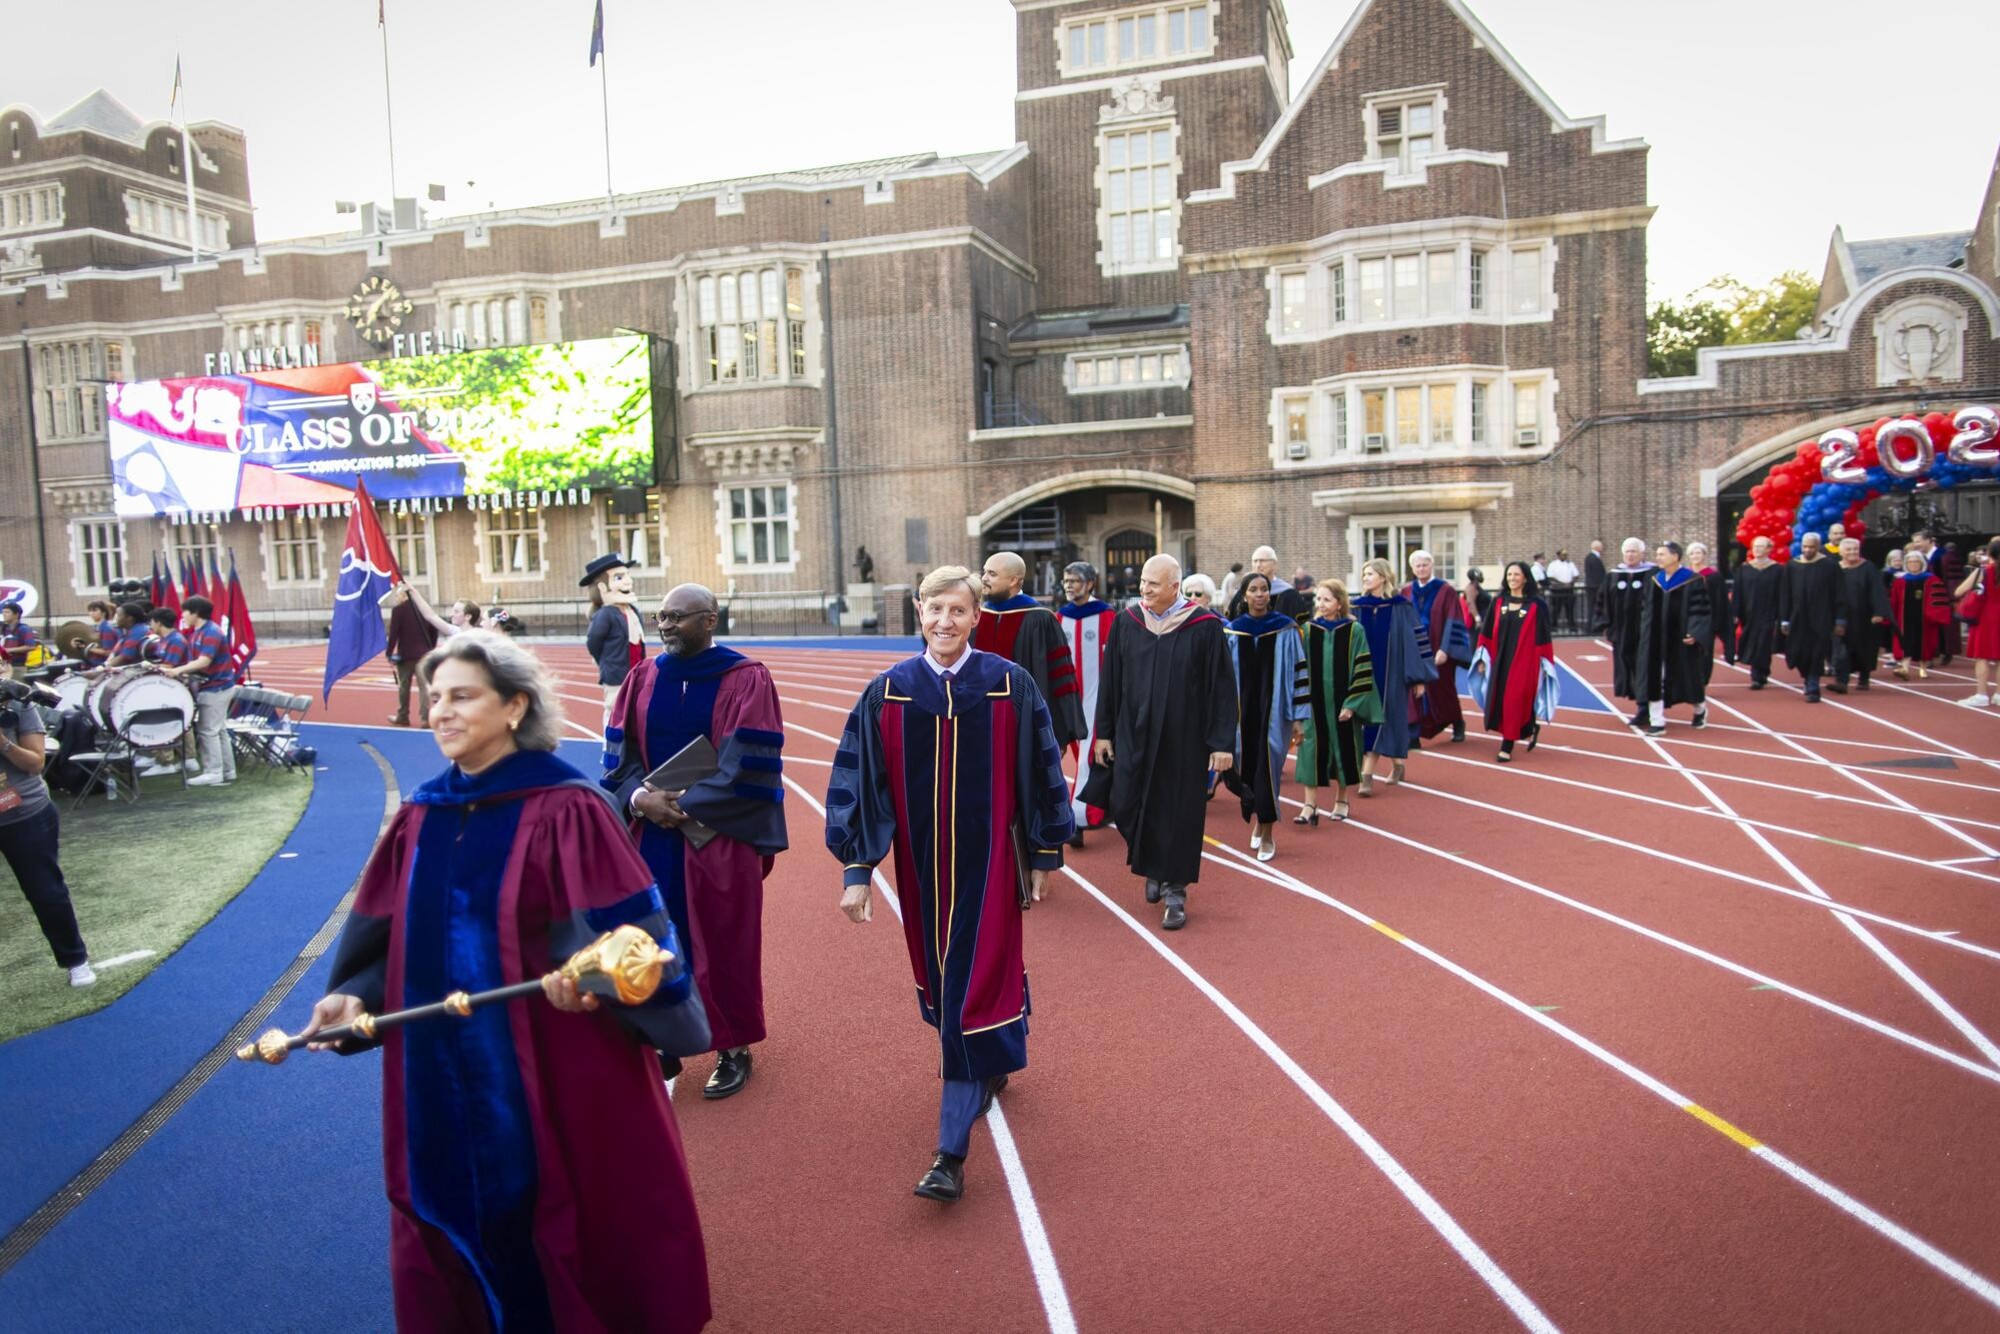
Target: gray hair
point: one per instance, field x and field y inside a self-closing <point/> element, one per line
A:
<point x="945" y="578"/>
<point x="513" y="671"/>
<point x="1198" y="583"/>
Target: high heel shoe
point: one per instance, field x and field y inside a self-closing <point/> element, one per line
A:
<point x="1339" y="810"/>
<point x="1310" y="815"/>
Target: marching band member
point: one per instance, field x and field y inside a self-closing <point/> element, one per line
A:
<point x="211" y="665"/>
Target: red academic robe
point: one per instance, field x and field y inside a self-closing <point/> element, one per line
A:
<point x="1919" y="610"/>
<point x="1025" y="632"/>
<point x="1437" y="603"/>
<point x="518" y="1131"/>
<point x="1517" y="640"/>
<point x="714" y="893"/>
<point x="1087" y="627"/>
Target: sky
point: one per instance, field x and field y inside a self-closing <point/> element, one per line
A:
<point x="1770" y="120"/>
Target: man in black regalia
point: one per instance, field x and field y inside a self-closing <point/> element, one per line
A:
<point x="1595" y="577"/>
<point x="1721" y="611"/>
<point x="1862" y="625"/>
<point x="1808" y="605"/>
<point x="1681" y="640"/>
<point x="1166" y="715"/>
<point x="1628" y="608"/>
<point x="1757" y="581"/>
<point x="1016" y="627"/>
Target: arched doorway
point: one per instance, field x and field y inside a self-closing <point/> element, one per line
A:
<point x="1125" y="554"/>
<point x="1109" y="517"/>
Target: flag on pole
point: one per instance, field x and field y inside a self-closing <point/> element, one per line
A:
<point x="242" y="634"/>
<point x="597" y="35"/>
<point x="218" y="593"/>
<point x="155" y="594"/>
<point x="191" y="582"/>
<point x="167" y="595"/>
<point x="367" y="572"/>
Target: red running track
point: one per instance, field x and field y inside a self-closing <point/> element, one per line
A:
<point x="1697" y="1033"/>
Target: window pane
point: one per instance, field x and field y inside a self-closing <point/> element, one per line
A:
<point x="1409" y="413"/>
<point x="728" y="292"/>
<point x="780" y="501"/>
<point x="1526" y="281"/>
<point x="1086" y="374"/>
<point x="747" y="285"/>
<point x="1420" y="118"/>
<point x="1076" y="48"/>
<point x="1127" y="39"/>
<point x="1198" y="29"/>
<point x="737" y="503"/>
<point x="1114" y="150"/>
<point x="1372" y="406"/>
<point x="1339" y="405"/>
<point x="768" y="349"/>
<point x="1117" y="236"/>
<point x="1477" y="424"/>
<point x="1128" y="370"/>
<point x="728" y="339"/>
<point x="1163" y="146"/>
<point x="1142" y="235"/>
<point x="781" y="542"/>
<point x="1295" y="420"/>
<point x="1443" y="266"/>
<point x="1163" y="234"/>
<point x="759" y="502"/>
<point x="1409" y="289"/>
<point x="1147" y="34"/>
<point x="705" y="301"/>
<point x="1443" y="402"/>
<point x="1527" y="406"/>
<point x="1420" y="147"/>
<point x="1163" y="185"/>
<point x="1374" y="299"/>
<point x="760" y="543"/>
<point x="1149" y="369"/>
<point x="739" y="542"/>
<point x="1476" y="279"/>
<point x="795" y="292"/>
<point x="769" y="309"/>
<point x="1292" y="303"/>
<point x="798" y="349"/>
<point x="1176" y="32"/>
<point x="1097" y="44"/>
<point x="1114" y="191"/>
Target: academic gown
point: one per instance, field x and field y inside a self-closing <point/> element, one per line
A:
<point x="1862" y="599"/>
<point x="511" y="1140"/>
<point x="1168" y="702"/>
<point x="1721" y="620"/>
<point x="1629" y="606"/>
<point x="1438" y="604"/>
<point x="1594" y="579"/>
<point x="714" y="893"/>
<point x="1680" y="613"/>
<point x="1920" y="610"/>
<point x="1285" y="600"/>
<point x="1400" y="646"/>
<point x="1268" y="659"/>
<point x="1025" y="632"/>
<point x="1517" y="639"/>
<point x="1756" y="607"/>
<point x="1808" y="602"/>
<point x="1340" y="674"/>
<point x="963" y="785"/>
<point x="1086" y="627"/>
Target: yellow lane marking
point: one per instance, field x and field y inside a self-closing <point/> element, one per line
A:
<point x="1390" y="932"/>
<point x="1714" y="1122"/>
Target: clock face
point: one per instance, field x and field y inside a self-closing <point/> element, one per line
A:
<point x="377" y="309"/>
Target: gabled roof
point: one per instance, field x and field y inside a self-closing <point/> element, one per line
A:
<point x="100" y="114"/>
<point x="1558" y="120"/>
<point x="1872" y="259"/>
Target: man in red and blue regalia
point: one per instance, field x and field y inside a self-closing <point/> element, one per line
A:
<point x="949" y="763"/>
<point x="714" y="892"/>
<point x="1014" y="626"/>
<point x="1086" y="624"/>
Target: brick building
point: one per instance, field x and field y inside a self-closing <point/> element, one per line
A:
<point x="1184" y="311"/>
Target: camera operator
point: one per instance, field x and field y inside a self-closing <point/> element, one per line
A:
<point x="30" y="830"/>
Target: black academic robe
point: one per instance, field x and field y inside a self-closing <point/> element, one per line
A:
<point x="1166" y="703"/>
<point x="1595" y="576"/>
<point x="1862" y="599"/>
<point x="1680" y="613"/>
<point x="1028" y="634"/>
<point x="1756" y="605"/>
<point x="1808" y="604"/>
<point x="1628" y="608"/>
<point x="1285" y="600"/>
<point x="1721" y="619"/>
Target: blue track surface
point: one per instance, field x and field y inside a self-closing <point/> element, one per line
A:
<point x="272" y="1178"/>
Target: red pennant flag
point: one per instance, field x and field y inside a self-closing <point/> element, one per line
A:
<point x="242" y="633"/>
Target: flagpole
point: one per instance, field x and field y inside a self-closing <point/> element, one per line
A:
<point x="604" y="90"/>
<point x="187" y="166"/>
<point x="388" y="97"/>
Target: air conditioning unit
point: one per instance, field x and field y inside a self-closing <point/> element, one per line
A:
<point x="1374" y="444"/>
<point x="1295" y="450"/>
<point x="1527" y="437"/>
<point x="1388" y="121"/>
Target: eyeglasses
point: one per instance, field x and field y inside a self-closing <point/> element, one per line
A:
<point x="670" y="619"/>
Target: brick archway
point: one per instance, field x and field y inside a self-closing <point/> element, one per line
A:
<point x="1130" y="479"/>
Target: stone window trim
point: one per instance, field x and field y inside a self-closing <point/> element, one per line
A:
<point x="1498" y="417"/>
<point x="296" y="540"/>
<point x="1102" y="51"/>
<point x="31" y="206"/>
<point x="96" y="547"/>
<point x="1083" y="372"/>
<point x="1116" y="120"/>
<point x="69" y="375"/>
<point x="531" y="522"/>
<point x="522" y="314"/>
<point x="798" y="332"/>
<point x="1460" y="521"/>
<point x="286" y="326"/>
<point x="185" y="541"/>
<point x="725" y="522"/>
<point x="1314" y="319"/>
<point x="612" y="531"/>
<point x="1405" y="125"/>
<point x="164" y="218"/>
<point x="409" y="530"/>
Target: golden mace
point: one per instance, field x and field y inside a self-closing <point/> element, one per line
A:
<point x="625" y="964"/>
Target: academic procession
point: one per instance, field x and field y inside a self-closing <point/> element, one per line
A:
<point x="983" y="742"/>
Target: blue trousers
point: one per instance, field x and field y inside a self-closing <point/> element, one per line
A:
<point x="958" y="1108"/>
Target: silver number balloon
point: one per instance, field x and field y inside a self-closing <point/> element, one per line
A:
<point x="1838" y="452"/>
<point x="1973" y="445"/>
<point x="1918" y="464"/>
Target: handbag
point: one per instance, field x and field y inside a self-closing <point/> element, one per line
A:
<point x="1458" y="645"/>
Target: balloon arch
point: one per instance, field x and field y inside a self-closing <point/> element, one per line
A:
<point x="1832" y="479"/>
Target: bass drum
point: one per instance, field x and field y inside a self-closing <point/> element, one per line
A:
<point x="72" y="690"/>
<point x="121" y="697"/>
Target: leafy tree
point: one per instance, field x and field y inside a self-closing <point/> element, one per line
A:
<point x="1726" y="312"/>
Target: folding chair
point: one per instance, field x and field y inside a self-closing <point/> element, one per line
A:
<point x="178" y="748"/>
<point x="101" y="765"/>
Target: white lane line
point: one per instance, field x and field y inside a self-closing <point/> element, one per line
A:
<point x="1739" y="877"/>
<point x="1986" y="1073"/>
<point x="1521" y="772"/>
<point x="1859" y="781"/>
<point x="1034" y="1236"/>
<point x="1981" y="788"/>
<point x="801" y="727"/>
<point x="118" y="960"/>
<point x="1923" y="989"/>
<point x="815" y="704"/>
<point x="1962" y="861"/>
<point x="1618" y="727"/>
<point x="1978" y="1284"/>
<point x="1944" y="747"/>
<point x="1470" y="1251"/>
<point x="1738" y="753"/>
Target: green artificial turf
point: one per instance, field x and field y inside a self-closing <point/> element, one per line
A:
<point x="120" y="861"/>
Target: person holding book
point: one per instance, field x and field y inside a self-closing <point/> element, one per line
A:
<point x="711" y="823"/>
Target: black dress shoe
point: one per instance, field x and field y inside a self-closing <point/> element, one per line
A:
<point x="1458" y="731"/>
<point x="670" y="1066"/>
<point x="946" y="1179"/>
<point x="1076" y="839"/>
<point x="993" y="1087"/>
<point x="1152" y="891"/>
<point x="732" y="1072"/>
<point x="1175" y="916"/>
